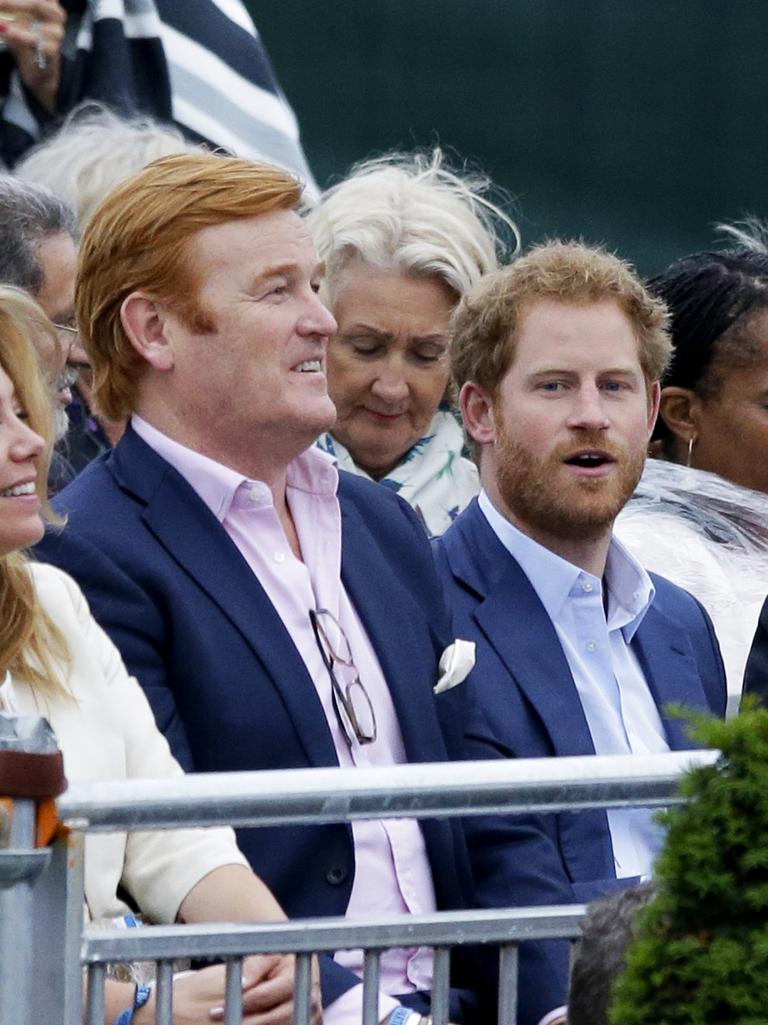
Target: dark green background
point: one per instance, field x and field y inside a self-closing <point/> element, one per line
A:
<point x="639" y="123"/>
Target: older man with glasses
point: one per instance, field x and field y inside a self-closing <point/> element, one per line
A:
<point x="278" y="613"/>
<point x="38" y="253"/>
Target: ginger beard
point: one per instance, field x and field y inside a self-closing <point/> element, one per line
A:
<point x="543" y="495"/>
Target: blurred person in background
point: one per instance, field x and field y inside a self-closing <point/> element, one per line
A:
<point x="93" y="152"/>
<point x="55" y="661"/>
<point x="38" y="254"/>
<point x="700" y="513"/>
<point x="600" y="955"/>
<point x="199" y="64"/>
<point x="712" y="411"/>
<point x="402" y="239"/>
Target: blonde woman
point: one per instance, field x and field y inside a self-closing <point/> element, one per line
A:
<point x="56" y="661"/>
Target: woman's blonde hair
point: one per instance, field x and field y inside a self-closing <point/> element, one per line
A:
<point x="30" y="642"/>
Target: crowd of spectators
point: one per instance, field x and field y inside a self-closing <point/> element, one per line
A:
<point x="351" y="479"/>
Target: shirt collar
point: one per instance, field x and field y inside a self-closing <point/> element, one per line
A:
<point x="217" y="485"/>
<point x="554" y="579"/>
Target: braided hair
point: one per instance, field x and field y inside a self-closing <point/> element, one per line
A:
<point x="711" y="296"/>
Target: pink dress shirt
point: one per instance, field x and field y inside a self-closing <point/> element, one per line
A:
<point x="392" y="873"/>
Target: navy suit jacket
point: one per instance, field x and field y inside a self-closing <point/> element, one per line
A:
<point x="226" y="683"/>
<point x="756" y="672"/>
<point x="528" y="707"/>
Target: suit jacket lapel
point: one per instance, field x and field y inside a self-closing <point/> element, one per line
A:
<point x="192" y="535"/>
<point x="664" y="651"/>
<point x="385" y="608"/>
<point x="518" y="628"/>
<point x="521" y="633"/>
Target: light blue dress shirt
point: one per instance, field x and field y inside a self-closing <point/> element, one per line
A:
<point x="595" y="634"/>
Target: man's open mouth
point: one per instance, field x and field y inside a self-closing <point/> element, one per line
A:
<point x="589" y="460"/>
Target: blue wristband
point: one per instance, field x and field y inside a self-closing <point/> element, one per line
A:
<point x="143" y="994"/>
<point x="400" y="1015"/>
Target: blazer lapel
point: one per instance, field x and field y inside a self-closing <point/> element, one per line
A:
<point x="192" y="535"/>
<point x="520" y="631"/>
<point x="385" y="608"/>
<point x="664" y="652"/>
<point x="517" y="627"/>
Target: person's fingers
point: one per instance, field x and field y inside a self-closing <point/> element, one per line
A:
<point x="27" y="36"/>
<point x="259" y="967"/>
<point x="282" y="1015"/>
<point x="45" y="11"/>
<point x="32" y="27"/>
<point x="270" y="993"/>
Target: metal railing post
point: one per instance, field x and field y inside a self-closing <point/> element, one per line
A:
<point x="71" y="852"/>
<point x="17" y="961"/>
<point x="32" y="890"/>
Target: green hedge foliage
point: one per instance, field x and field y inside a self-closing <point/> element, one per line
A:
<point x="700" y="956"/>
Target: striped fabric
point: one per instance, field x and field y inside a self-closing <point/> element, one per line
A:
<point x="198" y="63"/>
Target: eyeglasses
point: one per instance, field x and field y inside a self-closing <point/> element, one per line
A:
<point x="69" y="337"/>
<point x="70" y="333"/>
<point x="351" y="702"/>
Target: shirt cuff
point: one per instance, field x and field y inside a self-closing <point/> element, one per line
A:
<point x="348" y="1008"/>
<point x="553" y="1016"/>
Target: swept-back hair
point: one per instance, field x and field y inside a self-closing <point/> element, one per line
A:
<point x="29" y="214"/>
<point x="412" y="213"/>
<point x="30" y="643"/>
<point x="139" y="239"/>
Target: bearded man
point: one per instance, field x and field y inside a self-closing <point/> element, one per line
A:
<point x="579" y="650"/>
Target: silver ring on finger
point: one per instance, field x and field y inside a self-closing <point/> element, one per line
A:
<point x="41" y="61"/>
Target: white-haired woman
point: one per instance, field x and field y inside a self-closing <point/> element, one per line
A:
<point x="93" y="152"/>
<point x="402" y="238"/>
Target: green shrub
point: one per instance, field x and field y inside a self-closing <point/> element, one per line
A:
<point x="700" y="956"/>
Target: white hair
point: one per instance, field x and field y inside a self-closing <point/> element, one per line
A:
<point x="94" y="151"/>
<point x="750" y="233"/>
<point x="409" y="212"/>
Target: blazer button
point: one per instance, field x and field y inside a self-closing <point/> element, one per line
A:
<point x="336" y="875"/>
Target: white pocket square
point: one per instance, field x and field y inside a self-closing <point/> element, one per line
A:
<point x="455" y="664"/>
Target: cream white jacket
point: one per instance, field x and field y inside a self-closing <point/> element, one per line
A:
<point x="106" y="731"/>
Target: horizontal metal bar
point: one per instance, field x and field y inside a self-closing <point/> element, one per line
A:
<point x="429" y="790"/>
<point x="21" y="866"/>
<point x="442" y="928"/>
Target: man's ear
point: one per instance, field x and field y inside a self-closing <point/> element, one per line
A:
<point x="477" y="412"/>
<point x="680" y="408"/>
<point x="145" y="323"/>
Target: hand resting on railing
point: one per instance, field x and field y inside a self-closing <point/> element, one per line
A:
<point x="198" y="998"/>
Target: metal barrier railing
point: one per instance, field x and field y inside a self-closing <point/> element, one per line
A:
<point x="441" y="931"/>
<point x="327" y="795"/>
<point x="425" y="790"/>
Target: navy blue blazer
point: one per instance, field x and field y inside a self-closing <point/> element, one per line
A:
<point x="528" y="707"/>
<point x="756" y="672"/>
<point x="226" y="683"/>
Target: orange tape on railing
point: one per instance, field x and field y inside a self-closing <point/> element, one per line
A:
<point x="49" y="825"/>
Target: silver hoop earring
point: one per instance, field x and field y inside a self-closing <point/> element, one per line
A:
<point x="691" y="443"/>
